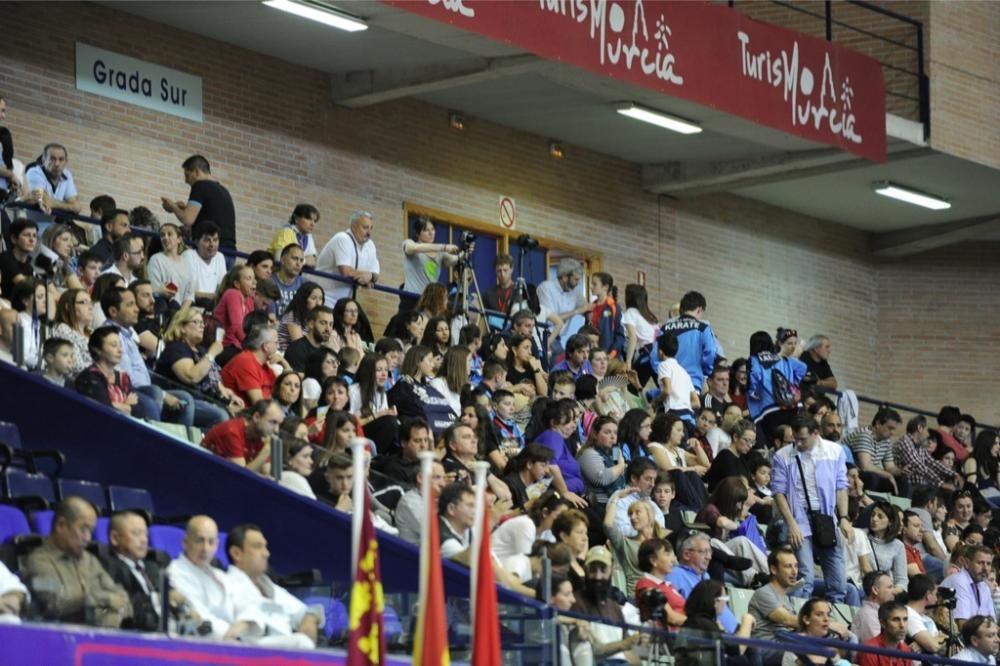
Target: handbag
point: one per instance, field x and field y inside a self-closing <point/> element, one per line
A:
<point x="824" y="530"/>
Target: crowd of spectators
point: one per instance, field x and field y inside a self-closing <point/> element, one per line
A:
<point x="628" y="447"/>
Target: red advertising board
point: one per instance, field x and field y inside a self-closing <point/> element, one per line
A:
<point x="708" y="54"/>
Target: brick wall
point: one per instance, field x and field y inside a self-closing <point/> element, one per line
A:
<point x="939" y="329"/>
<point x="274" y="139"/>
<point x="965" y="80"/>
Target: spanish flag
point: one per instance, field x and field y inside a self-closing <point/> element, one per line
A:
<point x="430" y="644"/>
<point x="366" y="640"/>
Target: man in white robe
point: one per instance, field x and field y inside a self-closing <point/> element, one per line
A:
<point x="287" y="621"/>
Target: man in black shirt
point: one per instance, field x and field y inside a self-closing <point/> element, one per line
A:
<point x="114" y="224"/>
<point x="208" y="201"/>
<point x="319" y="323"/>
<point x="817" y="357"/>
<point x="15" y="263"/>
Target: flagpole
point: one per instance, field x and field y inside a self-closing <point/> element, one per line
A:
<point x="357" y="499"/>
<point x="427" y="459"/>
<point x="480" y="470"/>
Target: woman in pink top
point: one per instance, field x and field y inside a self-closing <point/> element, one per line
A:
<point x="234" y="301"/>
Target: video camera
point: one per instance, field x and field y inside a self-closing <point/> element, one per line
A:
<point x="526" y="242"/>
<point x="466" y="242"/>
<point x="946" y="598"/>
<point x="652" y="606"/>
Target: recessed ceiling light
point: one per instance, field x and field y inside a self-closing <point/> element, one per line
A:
<point x="915" y="197"/>
<point x="658" y="118"/>
<point x="319" y="13"/>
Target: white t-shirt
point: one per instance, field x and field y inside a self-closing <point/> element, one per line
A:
<point x="856" y="548"/>
<point x="915" y="623"/>
<point x="206" y="276"/>
<point x="380" y="402"/>
<point x="681" y="386"/>
<point x="644" y="331"/>
<point x="343" y="250"/>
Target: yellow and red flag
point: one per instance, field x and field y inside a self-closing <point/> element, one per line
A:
<point x="430" y="644"/>
<point x="366" y="640"/>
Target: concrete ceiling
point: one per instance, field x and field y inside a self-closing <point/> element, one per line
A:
<point x="403" y="55"/>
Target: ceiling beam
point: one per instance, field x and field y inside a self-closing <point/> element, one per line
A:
<point x="374" y="86"/>
<point x="692" y="179"/>
<point x="921" y="239"/>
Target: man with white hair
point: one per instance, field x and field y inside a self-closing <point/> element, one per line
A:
<point x="562" y="294"/>
<point x="350" y="254"/>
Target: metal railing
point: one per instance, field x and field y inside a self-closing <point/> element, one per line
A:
<point x="898" y="46"/>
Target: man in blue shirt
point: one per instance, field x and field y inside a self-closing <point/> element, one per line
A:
<point x="50" y="178"/>
<point x="821" y="465"/>
<point x="695" y="554"/>
<point x="123" y="313"/>
<point x="577" y="352"/>
<point x="696" y="346"/>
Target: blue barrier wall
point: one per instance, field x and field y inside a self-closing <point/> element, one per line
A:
<point x="105" y="446"/>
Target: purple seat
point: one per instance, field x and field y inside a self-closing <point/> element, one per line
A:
<point x="12" y="523"/>
<point x="167" y="538"/>
<point x="222" y="554"/>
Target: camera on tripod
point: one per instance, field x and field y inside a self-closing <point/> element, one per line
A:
<point x="946" y="599"/>
<point x="652" y="606"/>
<point x="526" y="242"/>
<point x="467" y="240"/>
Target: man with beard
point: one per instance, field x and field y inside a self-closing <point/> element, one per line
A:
<point x="319" y="324"/>
<point x="609" y="640"/>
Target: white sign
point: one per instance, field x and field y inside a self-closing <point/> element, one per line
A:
<point x="138" y="82"/>
<point x="508" y="213"/>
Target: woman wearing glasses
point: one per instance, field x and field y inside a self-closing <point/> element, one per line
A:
<point x="185" y="360"/>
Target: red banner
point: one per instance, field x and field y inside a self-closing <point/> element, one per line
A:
<point x="708" y="54"/>
<point x="366" y="641"/>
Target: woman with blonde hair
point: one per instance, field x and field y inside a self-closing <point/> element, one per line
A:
<point x="186" y="361"/>
<point x="59" y="246"/>
<point x="626" y="549"/>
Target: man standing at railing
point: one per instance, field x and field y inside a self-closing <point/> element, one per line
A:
<point x="351" y="254"/>
<point x="208" y="201"/>
<point x="51" y="182"/>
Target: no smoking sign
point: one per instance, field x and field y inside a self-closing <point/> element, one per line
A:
<point x="508" y="213"/>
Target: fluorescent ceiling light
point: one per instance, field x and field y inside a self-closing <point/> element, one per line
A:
<point x="658" y="118"/>
<point x="914" y="197"/>
<point x="325" y="15"/>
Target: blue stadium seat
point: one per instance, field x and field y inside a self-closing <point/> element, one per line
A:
<point x="33" y="491"/>
<point x="337" y="620"/>
<point x="123" y="498"/>
<point x="101" y="531"/>
<point x="167" y="538"/>
<point x="12" y="523"/>
<point x="221" y="554"/>
<point x="88" y="490"/>
<point x="11" y="451"/>
<point x="41" y="521"/>
<point x="10" y="435"/>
